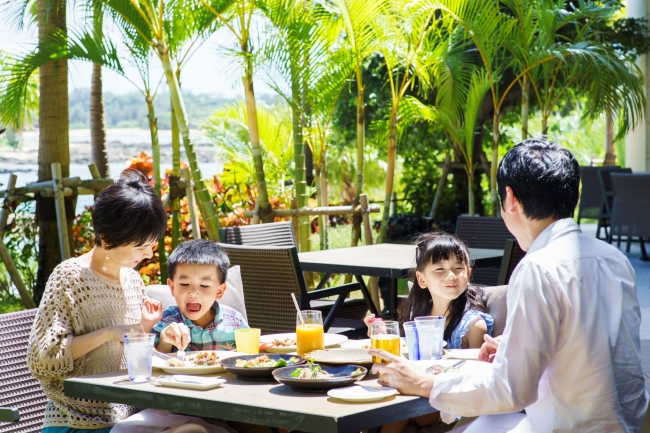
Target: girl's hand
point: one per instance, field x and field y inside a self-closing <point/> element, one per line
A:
<point x="177" y="334"/>
<point x="151" y="314"/>
<point x="116" y="332"/>
<point x="367" y="320"/>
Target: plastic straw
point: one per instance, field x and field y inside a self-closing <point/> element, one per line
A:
<point x="295" y="302"/>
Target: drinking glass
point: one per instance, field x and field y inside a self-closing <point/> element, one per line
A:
<point x="248" y="340"/>
<point x="310" y="336"/>
<point x="138" y="350"/>
<point x="411" y="333"/>
<point x="431" y="330"/>
<point x="384" y="335"/>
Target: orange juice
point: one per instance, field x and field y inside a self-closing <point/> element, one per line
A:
<point x="309" y="337"/>
<point x="388" y="342"/>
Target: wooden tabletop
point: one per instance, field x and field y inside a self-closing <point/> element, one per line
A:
<point x="381" y="260"/>
<point x="264" y="403"/>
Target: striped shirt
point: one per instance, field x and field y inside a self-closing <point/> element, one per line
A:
<point x="218" y="335"/>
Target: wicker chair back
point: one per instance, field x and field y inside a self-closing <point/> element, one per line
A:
<point x="278" y="234"/>
<point x="18" y="388"/>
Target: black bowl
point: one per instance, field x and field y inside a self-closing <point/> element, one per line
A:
<point x="342" y="377"/>
<point x="255" y="373"/>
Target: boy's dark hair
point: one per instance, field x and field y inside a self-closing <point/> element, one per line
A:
<point x="544" y="177"/>
<point x="199" y="252"/>
<point x="128" y="211"/>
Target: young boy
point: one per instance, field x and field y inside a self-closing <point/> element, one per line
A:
<point x="197" y="280"/>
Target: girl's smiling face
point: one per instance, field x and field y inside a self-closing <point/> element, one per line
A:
<point x="445" y="279"/>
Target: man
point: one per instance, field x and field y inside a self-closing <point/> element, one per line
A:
<point x="570" y="352"/>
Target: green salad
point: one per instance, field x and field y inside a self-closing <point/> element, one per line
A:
<point x="263" y="361"/>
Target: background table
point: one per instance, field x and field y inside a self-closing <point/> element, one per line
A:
<point x="264" y="403"/>
<point x="390" y="261"/>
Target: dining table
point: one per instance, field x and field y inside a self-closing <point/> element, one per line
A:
<point x="390" y="261"/>
<point x="265" y="403"/>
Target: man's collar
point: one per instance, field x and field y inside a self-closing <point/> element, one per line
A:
<point x="556" y="230"/>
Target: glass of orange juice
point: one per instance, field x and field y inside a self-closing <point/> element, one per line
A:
<point x="384" y="335"/>
<point x="309" y="332"/>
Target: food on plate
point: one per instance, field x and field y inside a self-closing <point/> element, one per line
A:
<point x="437" y="369"/>
<point x="311" y="372"/>
<point x="284" y="342"/>
<point x="265" y="362"/>
<point x="201" y="359"/>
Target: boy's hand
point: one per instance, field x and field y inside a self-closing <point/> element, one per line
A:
<point x="177" y="334"/>
<point x="151" y="314"/>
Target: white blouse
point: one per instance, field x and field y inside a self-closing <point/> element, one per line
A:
<point x="570" y="352"/>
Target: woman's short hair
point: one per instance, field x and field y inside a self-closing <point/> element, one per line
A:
<point x="544" y="177"/>
<point x="128" y="212"/>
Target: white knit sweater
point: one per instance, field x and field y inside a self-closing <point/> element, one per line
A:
<point x="76" y="302"/>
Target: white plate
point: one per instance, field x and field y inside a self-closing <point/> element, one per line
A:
<point x="362" y="393"/>
<point x="365" y="344"/>
<point x="161" y="364"/>
<point x="331" y="340"/>
<point x="341" y="356"/>
<point x="471" y="354"/>
<point x="190" y="382"/>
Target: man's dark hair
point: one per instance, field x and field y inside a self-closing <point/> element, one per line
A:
<point x="544" y="177"/>
<point x="128" y="212"/>
<point x="199" y="252"/>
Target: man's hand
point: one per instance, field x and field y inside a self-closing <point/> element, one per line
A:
<point x="151" y="314"/>
<point x="177" y="334"/>
<point x="489" y="348"/>
<point x="402" y="375"/>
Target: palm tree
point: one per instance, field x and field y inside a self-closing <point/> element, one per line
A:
<point x="237" y="17"/>
<point x="351" y="24"/>
<point x="99" y="152"/>
<point x="405" y="44"/>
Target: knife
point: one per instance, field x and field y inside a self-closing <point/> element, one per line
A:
<point x="161" y="355"/>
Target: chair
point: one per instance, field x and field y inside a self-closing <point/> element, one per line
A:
<point x="631" y="207"/>
<point x="591" y="193"/>
<point x="234" y="296"/>
<point x="607" y="197"/>
<point x="512" y="255"/>
<point x="278" y="234"/>
<point x="270" y="274"/>
<point x="483" y="232"/>
<point x="21" y="396"/>
<point x="497" y="307"/>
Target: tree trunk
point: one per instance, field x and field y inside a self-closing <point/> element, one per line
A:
<point x="99" y="152"/>
<point x="265" y="211"/>
<point x="524" y="108"/>
<point x="155" y="152"/>
<point x="544" y="123"/>
<point x="494" y="199"/>
<point x="205" y="203"/>
<point x="176" y="171"/>
<point x="53" y="143"/>
<point x="471" y="211"/>
<point x="361" y="137"/>
<point x="300" y="183"/>
<point x="390" y="173"/>
<point x="610" y="150"/>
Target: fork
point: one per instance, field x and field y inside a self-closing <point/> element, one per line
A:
<point x="180" y="355"/>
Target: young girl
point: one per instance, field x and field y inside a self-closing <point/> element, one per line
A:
<point x="441" y="288"/>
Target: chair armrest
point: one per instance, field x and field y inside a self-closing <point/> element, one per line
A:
<point x="8" y="414"/>
<point x="332" y="291"/>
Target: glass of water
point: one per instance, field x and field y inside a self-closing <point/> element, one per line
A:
<point x="138" y="349"/>
<point x="431" y="330"/>
<point x="411" y="333"/>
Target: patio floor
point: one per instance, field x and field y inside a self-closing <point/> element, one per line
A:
<point x="643" y="289"/>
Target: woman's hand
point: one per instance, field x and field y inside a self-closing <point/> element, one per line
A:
<point x="489" y="348"/>
<point x="151" y="314"/>
<point x="176" y="334"/>
<point x="402" y="375"/>
<point x="116" y="332"/>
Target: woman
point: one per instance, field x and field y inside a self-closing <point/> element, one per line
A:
<point x="92" y="300"/>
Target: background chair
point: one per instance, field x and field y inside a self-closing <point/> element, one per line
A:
<point x="270" y="274"/>
<point x="19" y="390"/>
<point x="591" y="193"/>
<point x="512" y="255"/>
<point x="607" y="198"/>
<point x="483" y="232"/>
<point x="278" y="234"/>
<point x="631" y="207"/>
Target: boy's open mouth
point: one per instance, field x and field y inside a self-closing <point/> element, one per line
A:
<point x="193" y="307"/>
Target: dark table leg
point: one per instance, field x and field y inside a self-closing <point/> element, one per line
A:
<point x="392" y="297"/>
<point x="366" y="294"/>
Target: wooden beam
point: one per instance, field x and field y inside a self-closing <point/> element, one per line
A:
<point x="57" y="185"/>
<point x="191" y="204"/>
<point x="308" y="211"/>
<point x="5" y="256"/>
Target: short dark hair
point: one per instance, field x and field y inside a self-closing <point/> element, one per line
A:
<point x="199" y="252"/>
<point x="544" y="177"/>
<point x="129" y="211"/>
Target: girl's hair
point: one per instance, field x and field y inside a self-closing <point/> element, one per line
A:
<point x="433" y="247"/>
<point x="128" y="212"/>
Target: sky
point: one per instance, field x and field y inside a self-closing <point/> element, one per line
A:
<point x="207" y="71"/>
